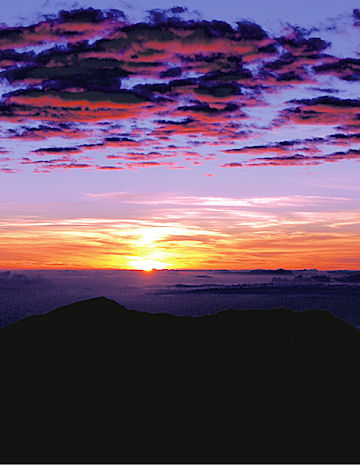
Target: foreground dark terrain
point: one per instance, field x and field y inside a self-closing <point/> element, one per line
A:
<point x="95" y="382"/>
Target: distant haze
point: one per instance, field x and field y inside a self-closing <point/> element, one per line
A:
<point x="194" y="293"/>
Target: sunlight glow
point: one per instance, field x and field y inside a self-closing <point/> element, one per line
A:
<point x="146" y="264"/>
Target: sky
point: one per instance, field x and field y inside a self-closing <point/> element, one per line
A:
<point x="197" y="135"/>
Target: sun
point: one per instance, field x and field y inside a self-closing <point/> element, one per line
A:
<point x="147" y="264"/>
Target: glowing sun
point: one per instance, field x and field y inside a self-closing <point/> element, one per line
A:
<point x="147" y="264"/>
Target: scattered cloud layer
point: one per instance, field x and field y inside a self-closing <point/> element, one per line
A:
<point x="87" y="89"/>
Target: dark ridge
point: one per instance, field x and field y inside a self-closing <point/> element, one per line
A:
<point x="278" y="271"/>
<point x="260" y="271"/>
<point x="95" y="382"/>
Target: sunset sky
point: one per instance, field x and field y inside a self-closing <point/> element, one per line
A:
<point x="198" y="135"/>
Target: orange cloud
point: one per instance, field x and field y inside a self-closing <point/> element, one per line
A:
<point x="189" y="232"/>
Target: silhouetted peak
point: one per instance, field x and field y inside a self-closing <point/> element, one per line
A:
<point x="162" y="376"/>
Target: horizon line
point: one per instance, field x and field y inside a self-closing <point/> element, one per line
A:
<point x="178" y="269"/>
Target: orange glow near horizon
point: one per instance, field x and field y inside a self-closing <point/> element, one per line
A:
<point x="114" y="244"/>
<point x="190" y="233"/>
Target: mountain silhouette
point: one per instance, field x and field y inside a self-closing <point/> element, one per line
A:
<point x="95" y="382"/>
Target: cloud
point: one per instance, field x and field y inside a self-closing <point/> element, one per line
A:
<point x="197" y="232"/>
<point x="45" y="132"/>
<point x="109" y="167"/>
<point x="324" y="110"/>
<point x="233" y="164"/>
<point x="307" y="160"/>
<point x="68" y="26"/>
<point x="347" y="69"/>
<point x="93" y="75"/>
<point x="326" y="102"/>
<point x="297" y="43"/>
<point x="8" y="170"/>
<point x="57" y="150"/>
<point x="198" y="202"/>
